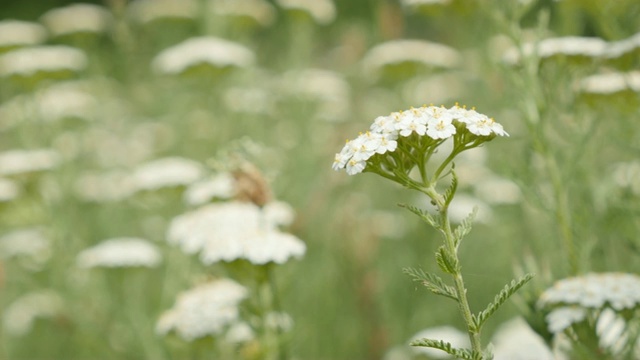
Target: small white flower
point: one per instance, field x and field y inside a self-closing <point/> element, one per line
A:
<point x="9" y="190"/>
<point x="204" y="310"/>
<point x="16" y="162"/>
<point x="355" y="167"/>
<point x="561" y="318"/>
<point x="514" y="340"/>
<point x="77" y="18"/>
<point x="120" y="252"/>
<point x="20" y="33"/>
<point x="25" y="242"/>
<point x="45" y="59"/>
<point x="441" y="127"/>
<point x="236" y="230"/>
<point x="220" y="186"/>
<point x="18" y="318"/>
<point x="209" y="50"/>
<point x="415" y="51"/>
<point x="166" y="172"/>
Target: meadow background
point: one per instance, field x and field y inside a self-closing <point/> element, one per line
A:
<point x="569" y="172"/>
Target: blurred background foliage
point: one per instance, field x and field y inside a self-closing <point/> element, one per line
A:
<point x="348" y="296"/>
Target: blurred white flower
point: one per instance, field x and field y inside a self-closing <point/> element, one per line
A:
<point x="279" y="212"/>
<point x="563" y="317"/>
<point x="497" y="190"/>
<point x="610" y="83"/>
<point x="620" y="48"/>
<point x="445" y="333"/>
<point x="261" y="100"/>
<point x="438" y="88"/>
<point x="120" y="252"/>
<point x="220" y="186"/>
<point x="9" y="190"/>
<point x="204" y="310"/>
<point x="514" y="340"/>
<point x="239" y="332"/>
<point x="260" y="11"/>
<point x="409" y="51"/>
<point x="17" y="162"/>
<point x="209" y="50"/>
<point x="568" y="46"/>
<point x="419" y="3"/>
<point x="627" y="175"/>
<point x="42" y="59"/>
<point x="235" y="230"/>
<point x="104" y="187"/>
<point x="321" y="11"/>
<point x="463" y="204"/>
<point x="280" y="321"/>
<point x="65" y="100"/>
<point x="19" y="317"/>
<point x="595" y="290"/>
<point x="29" y="242"/>
<point x="15" y="33"/>
<point x="166" y="172"/>
<point x="328" y="88"/>
<point x="146" y="11"/>
<point x="77" y="18"/>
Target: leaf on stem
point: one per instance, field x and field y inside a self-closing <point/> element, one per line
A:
<point x="444" y="346"/>
<point x="425" y="216"/>
<point x="465" y="226"/>
<point x="432" y="282"/>
<point x="447" y="262"/>
<point x="451" y="190"/>
<point x="500" y="299"/>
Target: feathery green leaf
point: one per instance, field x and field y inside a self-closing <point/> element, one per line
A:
<point x="432" y="282"/>
<point x="500" y="299"/>
<point x="444" y="346"/>
<point x="446" y="261"/>
<point x="425" y="216"/>
<point x="451" y="190"/>
<point x="465" y="226"/>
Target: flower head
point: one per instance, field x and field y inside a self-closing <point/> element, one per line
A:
<point x="120" y="252"/>
<point x="394" y="141"/>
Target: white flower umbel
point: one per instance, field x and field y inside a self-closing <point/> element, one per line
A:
<point x="120" y="252"/>
<point x="19" y="317"/>
<point x="166" y="172"/>
<point x="568" y="46"/>
<point x="146" y="11"/>
<point x="260" y="11"/>
<point x="410" y="51"/>
<point x="9" y="190"/>
<point x="420" y="3"/>
<point x="42" y="59"/>
<point x="563" y="317"/>
<point x="220" y="186"/>
<point x="15" y="33"/>
<point x="77" y="18"/>
<point x="595" y="290"/>
<point x="17" y="162"/>
<point x="610" y="83"/>
<point x="29" y="242"/>
<point x="215" y="52"/>
<point x="321" y="11"/>
<point x="515" y="340"/>
<point x="235" y="230"/>
<point x="400" y="147"/>
<point x="205" y="310"/>
<point x="623" y="47"/>
<point x="104" y="187"/>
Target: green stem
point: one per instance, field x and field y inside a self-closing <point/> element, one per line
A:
<point x="461" y="291"/>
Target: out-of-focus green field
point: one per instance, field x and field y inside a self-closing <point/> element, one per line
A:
<point x="573" y="173"/>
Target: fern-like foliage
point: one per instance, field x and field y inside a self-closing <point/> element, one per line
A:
<point x="425" y="216"/>
<point x="451" y="190"/>
<point x="446" y="347"/>
<point x="500" y="299"/>
<point x="465" y="226"/>
<point x="447" y="262"/>
<point x="432" y="282"/>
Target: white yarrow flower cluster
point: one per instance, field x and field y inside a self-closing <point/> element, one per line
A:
<point x="438" y="123"/>
<point x="236" y="230"/>
<point x="19" y="317"/>
<point x="414" y="51"/>
<point x="120" y="252"/>
<point x="166" y="172"/>
<point x="594" y="291"/>
<point x="204" y="310"/>
<point x="209" y="50"/>
<point x="47" y="59"/>
<point x="20" y="33"/>
<point x="77" y="18"/>
<point x="610" y="83"/>
<point x="30" y="242"/>
<point x="147" y="11"/>
<point x="321" y="11"/>
<point x="17" y="162"/>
